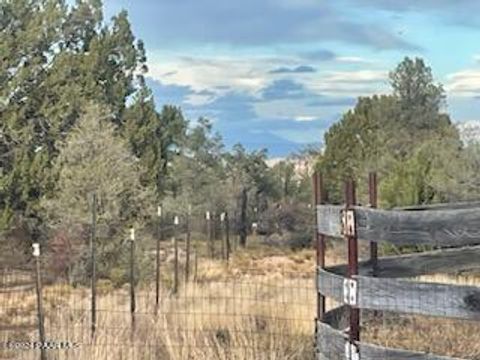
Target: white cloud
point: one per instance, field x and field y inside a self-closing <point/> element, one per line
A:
<point x="198" y="99"/>
<point x="304" y="118"/>
<point x="464" y="83"/>
<point x="350" y="83"/>
<point x="217" y="74"/>
<point x="354" y="60"/>
<point x="362" y="76"/>
<point x="211" y="78"/>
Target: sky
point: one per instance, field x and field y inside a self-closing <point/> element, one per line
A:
<point x="276" y="74"/>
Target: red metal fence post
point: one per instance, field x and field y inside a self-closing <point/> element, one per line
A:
<point x="319" y="238"/>
<point x="351" y="238"/>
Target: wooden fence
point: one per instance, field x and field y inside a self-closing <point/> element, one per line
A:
<point x="453" y="230"/>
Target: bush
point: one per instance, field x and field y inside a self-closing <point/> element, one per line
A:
<point x="287" y="225"/>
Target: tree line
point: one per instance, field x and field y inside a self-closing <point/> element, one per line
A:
<point x="408" y="138"/>
<point x="77" y="118"/>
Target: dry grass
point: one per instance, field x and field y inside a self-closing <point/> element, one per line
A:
<point x="261" y="305"/>
<point x="448" y="337"/>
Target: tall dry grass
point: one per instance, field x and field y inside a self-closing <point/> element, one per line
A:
<point x="259" y="306"/>
<point x="256" y="307"/>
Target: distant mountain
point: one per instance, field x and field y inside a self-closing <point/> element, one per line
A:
<point x="469" y="131"/>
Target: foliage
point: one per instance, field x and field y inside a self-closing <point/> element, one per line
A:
<point x="93" y="160"/>
<point x="55" y="59"/>
<point x="394" y="135"/>
<point x="197" y="172"/>
<point x="154" y="137"/>
<point x="288" y="225"/>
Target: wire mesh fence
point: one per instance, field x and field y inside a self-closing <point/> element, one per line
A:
<point x="248" y="306"/>
<point x="199" y="295"/>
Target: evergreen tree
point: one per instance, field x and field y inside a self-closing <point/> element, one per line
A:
<point x="55" y="59"/>
<point x="94" y="160"/>
<point x="384" y="134"/>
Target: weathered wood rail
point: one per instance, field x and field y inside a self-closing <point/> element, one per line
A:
<point x="384" y="284"/>
<point x="438" y="227"/>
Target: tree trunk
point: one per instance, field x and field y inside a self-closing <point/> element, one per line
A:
<point x="243" y="218"/>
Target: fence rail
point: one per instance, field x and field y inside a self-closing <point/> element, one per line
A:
<point x="375" y="286"/>
<point x="424" y="263"/>
<point x="438" y="227"/>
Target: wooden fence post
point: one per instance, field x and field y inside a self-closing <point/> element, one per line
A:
<point x="93" y="266"/>
<point x="40" y="313"/>
<point x="157" y="253"/>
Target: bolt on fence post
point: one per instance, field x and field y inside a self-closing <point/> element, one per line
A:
<point x="93" y="266"/>
<point x="187" y="245"/>
<point x="319" y="239"/>
<point x="157" y="253"/>
<point x="40" y="313"/>
<point x="132" y="278"/>
<point x="175" y="245"/>
<point x="373" y="195"/>
<point x="352" y="240"/>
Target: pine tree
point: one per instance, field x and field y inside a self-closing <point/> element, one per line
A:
<point x="95" y="160"/>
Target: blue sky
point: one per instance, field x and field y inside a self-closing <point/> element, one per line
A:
<point x="278" y="73"/>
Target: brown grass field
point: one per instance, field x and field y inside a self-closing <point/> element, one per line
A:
<point x="261" y="305"/>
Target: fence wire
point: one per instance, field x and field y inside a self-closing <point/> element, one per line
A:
<point x="249" y="307"/>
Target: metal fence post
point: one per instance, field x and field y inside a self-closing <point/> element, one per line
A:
<point x="175" y="245"/>
<point x="187" y="245"/>
<point x="157" y="253"/>
<point x="209" y="233"/>
<point x="227" y="235"/>
<point x="319" y="238"/>
<point x="40" y="313"/>
<point x="132" y="278"/>
<point x="196" y="258"/>
<point x="352" y="240"/>
<point x="213" y="226"/>
<point x="93" y="266"/>
<point x="222" y="236"/>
